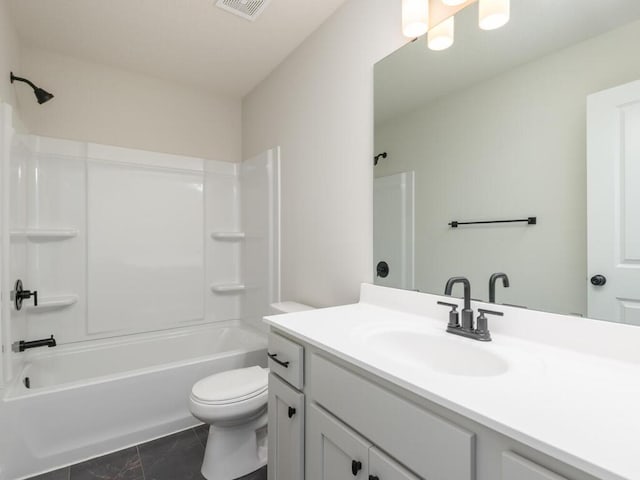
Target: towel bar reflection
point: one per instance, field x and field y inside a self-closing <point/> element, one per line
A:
<point x="528" y="221"/>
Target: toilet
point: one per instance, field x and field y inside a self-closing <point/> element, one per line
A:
<point x="234" y="405"/>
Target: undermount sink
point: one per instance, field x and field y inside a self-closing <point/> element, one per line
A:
<point x="436" y="352"/>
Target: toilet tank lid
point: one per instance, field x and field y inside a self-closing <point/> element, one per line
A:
<point x="231" y="385"/>
<point x="290" y="307"/>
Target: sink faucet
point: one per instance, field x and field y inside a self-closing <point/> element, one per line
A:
<point x="467" y="313"/>
<point x="492" y="285"/>
<point x="466" y="328"/>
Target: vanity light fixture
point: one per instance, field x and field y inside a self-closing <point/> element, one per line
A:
<point x="415" y="18"/>
<point x="493" y="13"/>
<point x="440" y="37"/>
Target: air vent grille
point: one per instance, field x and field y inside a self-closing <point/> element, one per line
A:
<point x="249" y="9"/>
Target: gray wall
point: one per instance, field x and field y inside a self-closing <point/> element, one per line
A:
<point x="318" y="106"/>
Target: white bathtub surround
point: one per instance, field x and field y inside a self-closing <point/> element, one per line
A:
<point x="567" y="387"/>
<point x="88" y="400"/>
<point x="119" y="241"/>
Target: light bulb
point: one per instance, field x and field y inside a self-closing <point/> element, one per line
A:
<point x="440" y="37"/>
<point x="493" y="13"/>
<point x="453" y="3"/>
<point x="415" y="17"/>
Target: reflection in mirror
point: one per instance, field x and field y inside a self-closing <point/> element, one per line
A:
<point x="540" y="118"/>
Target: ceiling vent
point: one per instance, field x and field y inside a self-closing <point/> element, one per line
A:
<point x="248" y="9"/>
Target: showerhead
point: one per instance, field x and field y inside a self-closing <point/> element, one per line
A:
<point x="41" y="95"/>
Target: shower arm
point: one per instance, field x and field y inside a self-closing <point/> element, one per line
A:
<point x="20" y="79"/>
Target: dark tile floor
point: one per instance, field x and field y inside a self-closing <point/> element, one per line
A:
<point x="176" y="457"/>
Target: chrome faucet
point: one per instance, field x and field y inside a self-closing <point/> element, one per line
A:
<point x="466" y="328"/>
<point x="492" y="285"/>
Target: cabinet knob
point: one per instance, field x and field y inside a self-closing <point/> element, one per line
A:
<point x="291" y="412"/>
<point x="374" y="477"/>
<point x="355" y="467"/>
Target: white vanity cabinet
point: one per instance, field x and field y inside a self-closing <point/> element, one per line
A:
<point x="286" y="411"/>
<point x="348" y="423"/>
<point x="336" y="452"/>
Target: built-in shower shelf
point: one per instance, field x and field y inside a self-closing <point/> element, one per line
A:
<point x="50" y="303"/>
<point x="45" y="233"/>
<point x="228" y="235"/>
<point x="228" y="288"/>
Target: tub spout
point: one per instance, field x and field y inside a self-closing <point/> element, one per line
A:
<point x="21" y="346"/>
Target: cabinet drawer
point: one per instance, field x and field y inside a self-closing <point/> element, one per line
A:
<point x="286" y="431"/>
<point x="285" y="359"/>
<point x="433" y="447"/>
<point x="514" y="467"/>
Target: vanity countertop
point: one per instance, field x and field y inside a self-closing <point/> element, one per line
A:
<point x="579" y="403"/>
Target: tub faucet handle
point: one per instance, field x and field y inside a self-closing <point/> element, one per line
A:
<point x="19" y="294"/>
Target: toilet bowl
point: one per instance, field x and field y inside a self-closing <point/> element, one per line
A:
<point x="234" y="404"/>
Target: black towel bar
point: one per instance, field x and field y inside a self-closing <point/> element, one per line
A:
<point x="529" y="221"/>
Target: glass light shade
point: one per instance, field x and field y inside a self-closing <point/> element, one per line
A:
<point x="453" y="3"/>
<point x="493" y="13"/>
<point x="415" y="17"/>
<point x="440" y="37"/>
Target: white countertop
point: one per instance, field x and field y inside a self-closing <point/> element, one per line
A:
<point x="579" y="404"/>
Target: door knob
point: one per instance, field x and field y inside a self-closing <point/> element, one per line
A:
<point x="598" y="280"/>
<point x="382" y="269"/>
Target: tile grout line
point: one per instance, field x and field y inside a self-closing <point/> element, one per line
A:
<point x="141" y="464"/>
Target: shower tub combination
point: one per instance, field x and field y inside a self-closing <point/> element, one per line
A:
<point x="143" y="299"/>
<point x="84" y="401"/>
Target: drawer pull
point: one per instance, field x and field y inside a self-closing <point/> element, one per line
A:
<point x="273" y="356"/>
<point x="292" y="412"/>
<point x="374" y="477"/>
<point x="355" y="467"/>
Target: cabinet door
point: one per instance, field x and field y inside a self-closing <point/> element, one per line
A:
<point x="334" y="452"/>
<point x="286" y="431"/>
<point x="514" y="467"/>
<point x="381" y="467"/>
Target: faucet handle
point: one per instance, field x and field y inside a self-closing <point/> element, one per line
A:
<point x="454" y="317"/>
<point x="446" y="304"/>
<point x="482" y="325"/>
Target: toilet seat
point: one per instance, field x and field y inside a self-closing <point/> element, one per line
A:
<point x="231" y="387"/>
<point x="226" y="398"/>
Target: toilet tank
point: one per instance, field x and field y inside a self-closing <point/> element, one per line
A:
<point x="289" y="307"/>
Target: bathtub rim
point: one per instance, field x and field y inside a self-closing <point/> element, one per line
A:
<point x="16" y="390"/>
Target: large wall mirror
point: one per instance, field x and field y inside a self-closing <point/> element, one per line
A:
<point x="540" y="118"/>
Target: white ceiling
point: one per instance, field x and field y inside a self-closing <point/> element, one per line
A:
<point x="414" y="76"/>
<point x="190" y="41"/>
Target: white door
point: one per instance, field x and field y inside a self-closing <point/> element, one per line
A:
<point x="393" y="230"/>
<point x="613" y="204"/>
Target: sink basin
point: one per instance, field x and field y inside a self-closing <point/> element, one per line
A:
<point x="440" y="353"/>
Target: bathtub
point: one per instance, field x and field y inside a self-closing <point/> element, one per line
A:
<point x="89" y="399"/>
